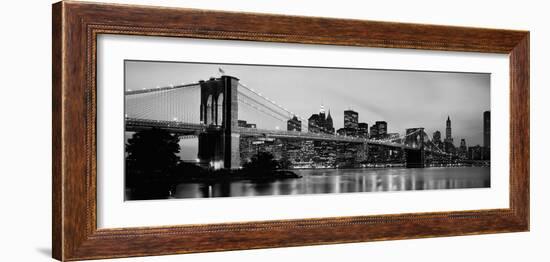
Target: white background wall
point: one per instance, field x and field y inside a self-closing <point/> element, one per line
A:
<point x="25" y="158"/>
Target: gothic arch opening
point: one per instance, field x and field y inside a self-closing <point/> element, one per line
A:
<point x="219" y="113"/>
<point x="208" y="117"/>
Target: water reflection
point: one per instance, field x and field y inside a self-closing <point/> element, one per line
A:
<point x="323" y="181"/>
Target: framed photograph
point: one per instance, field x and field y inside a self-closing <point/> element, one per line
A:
<point x="180" y="130"/>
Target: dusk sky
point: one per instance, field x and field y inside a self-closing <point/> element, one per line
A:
<point x="403" y="99"/>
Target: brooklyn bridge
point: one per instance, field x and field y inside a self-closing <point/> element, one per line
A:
<point x="209" y="111"/>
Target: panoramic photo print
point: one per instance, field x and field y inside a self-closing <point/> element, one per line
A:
<point x="207" y="130"/>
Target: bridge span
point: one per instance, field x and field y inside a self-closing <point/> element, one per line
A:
<point x="182" y="128"/>
<point x="213" y="118"/>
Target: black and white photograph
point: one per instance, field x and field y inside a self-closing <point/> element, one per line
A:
<point x="275" y="131"/>
<point x="206" y="130"/>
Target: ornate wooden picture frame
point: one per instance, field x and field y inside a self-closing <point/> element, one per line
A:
<point x="76" y="26"/>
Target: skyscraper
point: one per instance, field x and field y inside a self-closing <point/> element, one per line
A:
<point x="448" y="142"/>
<point x="321" y="123"/>
<point x="382" y="128"/>
<point x="463" y="149"/>
<point x="363" y="130"/>
<point x="448" y="132"/>
<point x="379" y="129"/>
<point x="322" y="114"/>
<point x="313" y="124"/>
<point x="462" y="143"/>
<point x="437" y="137"/>
<point x="329" y="126"/>
<point x="294" y="124"/>
<point x="373" y="131"/>
<point x="351" y="119"/>
<point x="487" y="129"/>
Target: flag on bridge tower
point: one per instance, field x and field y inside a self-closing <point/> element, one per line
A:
<point x="221" y="71"/>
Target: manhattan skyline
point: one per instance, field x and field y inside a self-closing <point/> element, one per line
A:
<point x="376" y="95"/>
<point x="198" y="130"/>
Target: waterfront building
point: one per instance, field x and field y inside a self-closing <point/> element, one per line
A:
<point x="382" y="129"/>
<point x="448" y="131"/>
<point x="314" y="124"/>
<point x="448" y="143"/>
<point x="475" y="152"/>
<point x="463" y="150"/>
<point x="294" y="124"/>
<point x="462" y="143"/>
<point x="321" y="123"/>
<point x="363" y="130"/>
<point x="379" y="130"/>
<point x="487" y="129"/>
<point x="351" y="119"/>
<point x="347" y="131"/>
<point x="436" y="137"/>
<point x="329" y="125"/>
<point x="373" y="131"/>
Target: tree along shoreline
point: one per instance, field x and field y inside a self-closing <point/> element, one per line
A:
<point x="153" y="169"/>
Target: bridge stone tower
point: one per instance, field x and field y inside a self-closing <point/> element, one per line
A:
<point x="219" y="145"/>
<point x="415" y="156"/>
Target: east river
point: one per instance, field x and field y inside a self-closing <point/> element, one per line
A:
<point x="323" y="181"/>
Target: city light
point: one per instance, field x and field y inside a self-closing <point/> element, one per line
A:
<point x="319" y="127"/>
